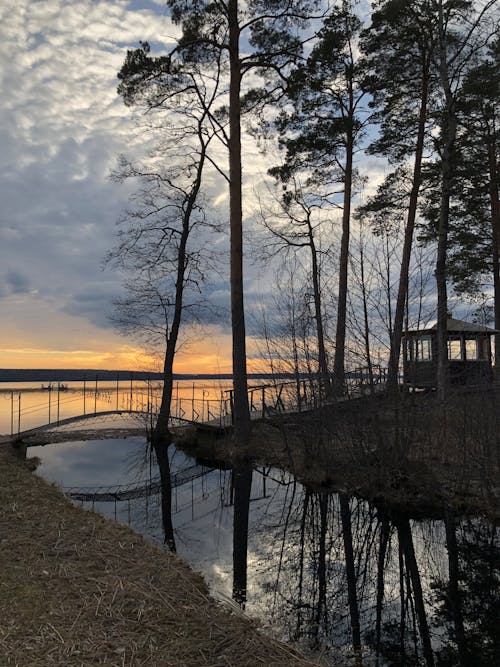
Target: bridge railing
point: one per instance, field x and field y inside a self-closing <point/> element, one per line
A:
<point x="55" y="404"/>
<point x="22" y="410"/>
<point x="34" y="407"/>
<point x="287" y="396"/>
<point x="365" y="379"/>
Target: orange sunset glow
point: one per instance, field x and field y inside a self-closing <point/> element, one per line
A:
<point x="210" y="355"/>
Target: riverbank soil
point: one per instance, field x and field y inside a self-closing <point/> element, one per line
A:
<point x="77" y="589"/>
<point x="412" y="453"/>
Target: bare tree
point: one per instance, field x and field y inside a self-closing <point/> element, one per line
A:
<point x="214" y="32"/>
<point x="156" y="244"/>
<point x="298" y="223"/>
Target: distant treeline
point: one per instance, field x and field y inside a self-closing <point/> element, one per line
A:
<point x="72" y="375"/>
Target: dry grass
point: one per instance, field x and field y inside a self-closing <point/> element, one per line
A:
<point x="77" y="589"/>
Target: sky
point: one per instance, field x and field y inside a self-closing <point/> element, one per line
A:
<point x="62" y="126"/>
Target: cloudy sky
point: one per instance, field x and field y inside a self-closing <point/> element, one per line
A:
<point x="62" y="127"/>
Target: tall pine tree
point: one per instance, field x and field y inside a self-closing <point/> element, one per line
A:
<point x="322" y="133"/>
<point x="399" y="47"/>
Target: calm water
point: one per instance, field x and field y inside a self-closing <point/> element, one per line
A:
<point x="324" y="571"/>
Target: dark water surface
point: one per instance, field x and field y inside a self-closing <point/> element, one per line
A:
<point x="332" y="573"/>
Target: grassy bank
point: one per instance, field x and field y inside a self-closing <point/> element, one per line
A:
<point x="77" y="589"/>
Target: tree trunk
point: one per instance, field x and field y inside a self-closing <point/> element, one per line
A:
<point x="321" y="607"/>
<point x="442" y="294"/>
<point x="366" y="321"/>
<point x="241" y="411"/>
<point x="345" y="515"/>
<point x="402" y="604"/>
<point x="449" y="134"/>
<point x="453" y="590"/>
<point x="397" y="332"/>
<point x="339" y="362"/>
<point x="406" y="541"/>
<point x="160" y="446"/>
<point x="300" y="603"/>
<point x="495" y="228"/>
<point x="161" y="437"/>
<point x="241" y="414"/>
<point x="160" y="440"/>
<point x="384" y="539"/>
<point x="322" y="360"/>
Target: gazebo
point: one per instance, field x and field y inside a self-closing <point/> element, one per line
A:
<point x="469" y="355"/>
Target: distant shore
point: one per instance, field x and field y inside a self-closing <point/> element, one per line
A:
<point x="79" y="375"/>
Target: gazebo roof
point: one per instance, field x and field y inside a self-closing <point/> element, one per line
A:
<point x="457" y="326"/>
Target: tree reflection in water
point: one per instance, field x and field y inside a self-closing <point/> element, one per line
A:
<point x="369" y="584"/>
<point x="242" y="486"/>
<point x="468" y="603"/>
<point x="381" y="588"/>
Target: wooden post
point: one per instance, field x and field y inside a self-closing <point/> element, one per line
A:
<point x="58" y="400"/>
<point x="202" y="404"/>
<point x="231" y="405"/>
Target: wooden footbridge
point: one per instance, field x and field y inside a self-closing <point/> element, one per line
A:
<point x="265" y="401"/>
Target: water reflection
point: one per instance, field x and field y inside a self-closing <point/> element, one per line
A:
<point x="322" y="569"/>
<point x="94" y="462"/>
<point x="241" y="485"/>
<point x="389" y="590"/>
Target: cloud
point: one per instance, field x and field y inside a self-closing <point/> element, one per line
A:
<point x="93" y="302"/>
<point x="13" y="282"/>
<point x="62" y="126"/>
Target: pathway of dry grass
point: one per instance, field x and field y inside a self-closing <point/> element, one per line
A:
<point x="77" y="589"/>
